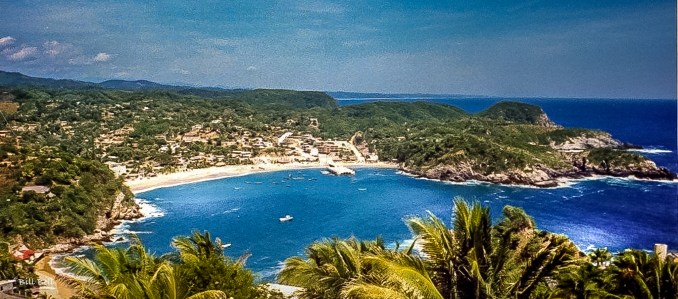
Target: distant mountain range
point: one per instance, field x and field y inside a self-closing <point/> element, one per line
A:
<point x="15" y="79"/>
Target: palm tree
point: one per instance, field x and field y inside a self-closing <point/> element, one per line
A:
<point x="198" y="246"/>
<point x="600" y="257"/>
<point x="330" y="264"/>
<point x="638" y="274"/>
<point x="582" y="281"/>
<point x="130" y="273"/>
<point x="393" y="274"/>
<point x="476" y="260"/>
<point x="203" y="266"/>
<point x="440" y="248"/>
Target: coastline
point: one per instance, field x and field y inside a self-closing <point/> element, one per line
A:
<point x="215" y="173"/>
<point x="168" y="180"/>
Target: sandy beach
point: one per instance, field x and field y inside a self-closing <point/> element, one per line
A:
<point x="213" y="173"/>
<point x="54" y="287"/>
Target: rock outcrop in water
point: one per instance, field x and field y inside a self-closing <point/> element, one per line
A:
<point x="539" y="175"/>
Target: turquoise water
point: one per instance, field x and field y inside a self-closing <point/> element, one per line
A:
<point x="244" y="211"/>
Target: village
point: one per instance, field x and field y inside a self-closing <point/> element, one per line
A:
<point x="130" y="154"/>
<point x="243" y="147"/>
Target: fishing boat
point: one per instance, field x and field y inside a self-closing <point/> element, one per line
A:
<point x="286" y="218"/>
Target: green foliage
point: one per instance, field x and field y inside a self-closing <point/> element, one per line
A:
<point x="514" y="112"/>
<point x="270" y="99"/>
<point x="330" y="264"/>
<point x="202" y="271"/>
<point x="80" y="191"/>
<point x="204" y="267"/>
<point x="473" y="259"/>
<point x="8" y="265"/>
<point x="614" y="157"/>
<point x="561" y="135"/>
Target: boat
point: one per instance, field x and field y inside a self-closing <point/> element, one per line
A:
<point x="362" y="189"/>
<point x="236" y="188"/>
<point x="224" y="246"/>
<point x="286" y="218"/>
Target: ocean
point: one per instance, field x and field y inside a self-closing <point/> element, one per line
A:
<point x="611" y="212"/>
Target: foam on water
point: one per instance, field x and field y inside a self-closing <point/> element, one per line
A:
<point x="653" y="151"/>
<point x="148" y="209"/>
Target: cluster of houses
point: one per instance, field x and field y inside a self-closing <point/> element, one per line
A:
<point x="239" y="146"/>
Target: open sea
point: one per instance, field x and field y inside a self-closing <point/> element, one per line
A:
<point x="610" y="212"/>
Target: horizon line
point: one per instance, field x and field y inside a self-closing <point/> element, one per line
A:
<point x="428" y="95"/>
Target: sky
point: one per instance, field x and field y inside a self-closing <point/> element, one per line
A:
<point x="550" y="48"/>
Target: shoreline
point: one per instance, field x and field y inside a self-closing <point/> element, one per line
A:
<point x="216" y="173"/>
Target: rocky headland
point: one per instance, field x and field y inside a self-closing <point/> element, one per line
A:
<point x="591" y="153"/>
<point x="106" y="222"/>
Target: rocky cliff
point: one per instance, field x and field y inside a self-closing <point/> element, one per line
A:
<point x="121" y="210"/>
<point x="588" y="153"/>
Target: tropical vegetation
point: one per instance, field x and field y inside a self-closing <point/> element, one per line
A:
<point x="198" y="269"/>
<point x="477" y="259"/>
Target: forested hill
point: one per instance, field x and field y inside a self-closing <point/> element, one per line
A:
<point x="18" y="80"/>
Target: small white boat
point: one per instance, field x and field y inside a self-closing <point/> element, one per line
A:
<point x="362" y="189"/>
<point x="224" y="246"/>
<point x="286" y="218"/>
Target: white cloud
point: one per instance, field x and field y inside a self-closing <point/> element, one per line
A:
<point x="102" y="57"/>
<point x="82" y="60"/>
<point x="6" y="41"/>
<point x="54" y="48"/>
<point x="23" y="54"/>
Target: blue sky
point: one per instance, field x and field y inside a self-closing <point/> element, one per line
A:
<point x="551" y="48"/>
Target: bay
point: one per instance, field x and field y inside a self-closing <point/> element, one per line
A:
<point x="244" y="211"/>
<point x="612" y="212"/>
